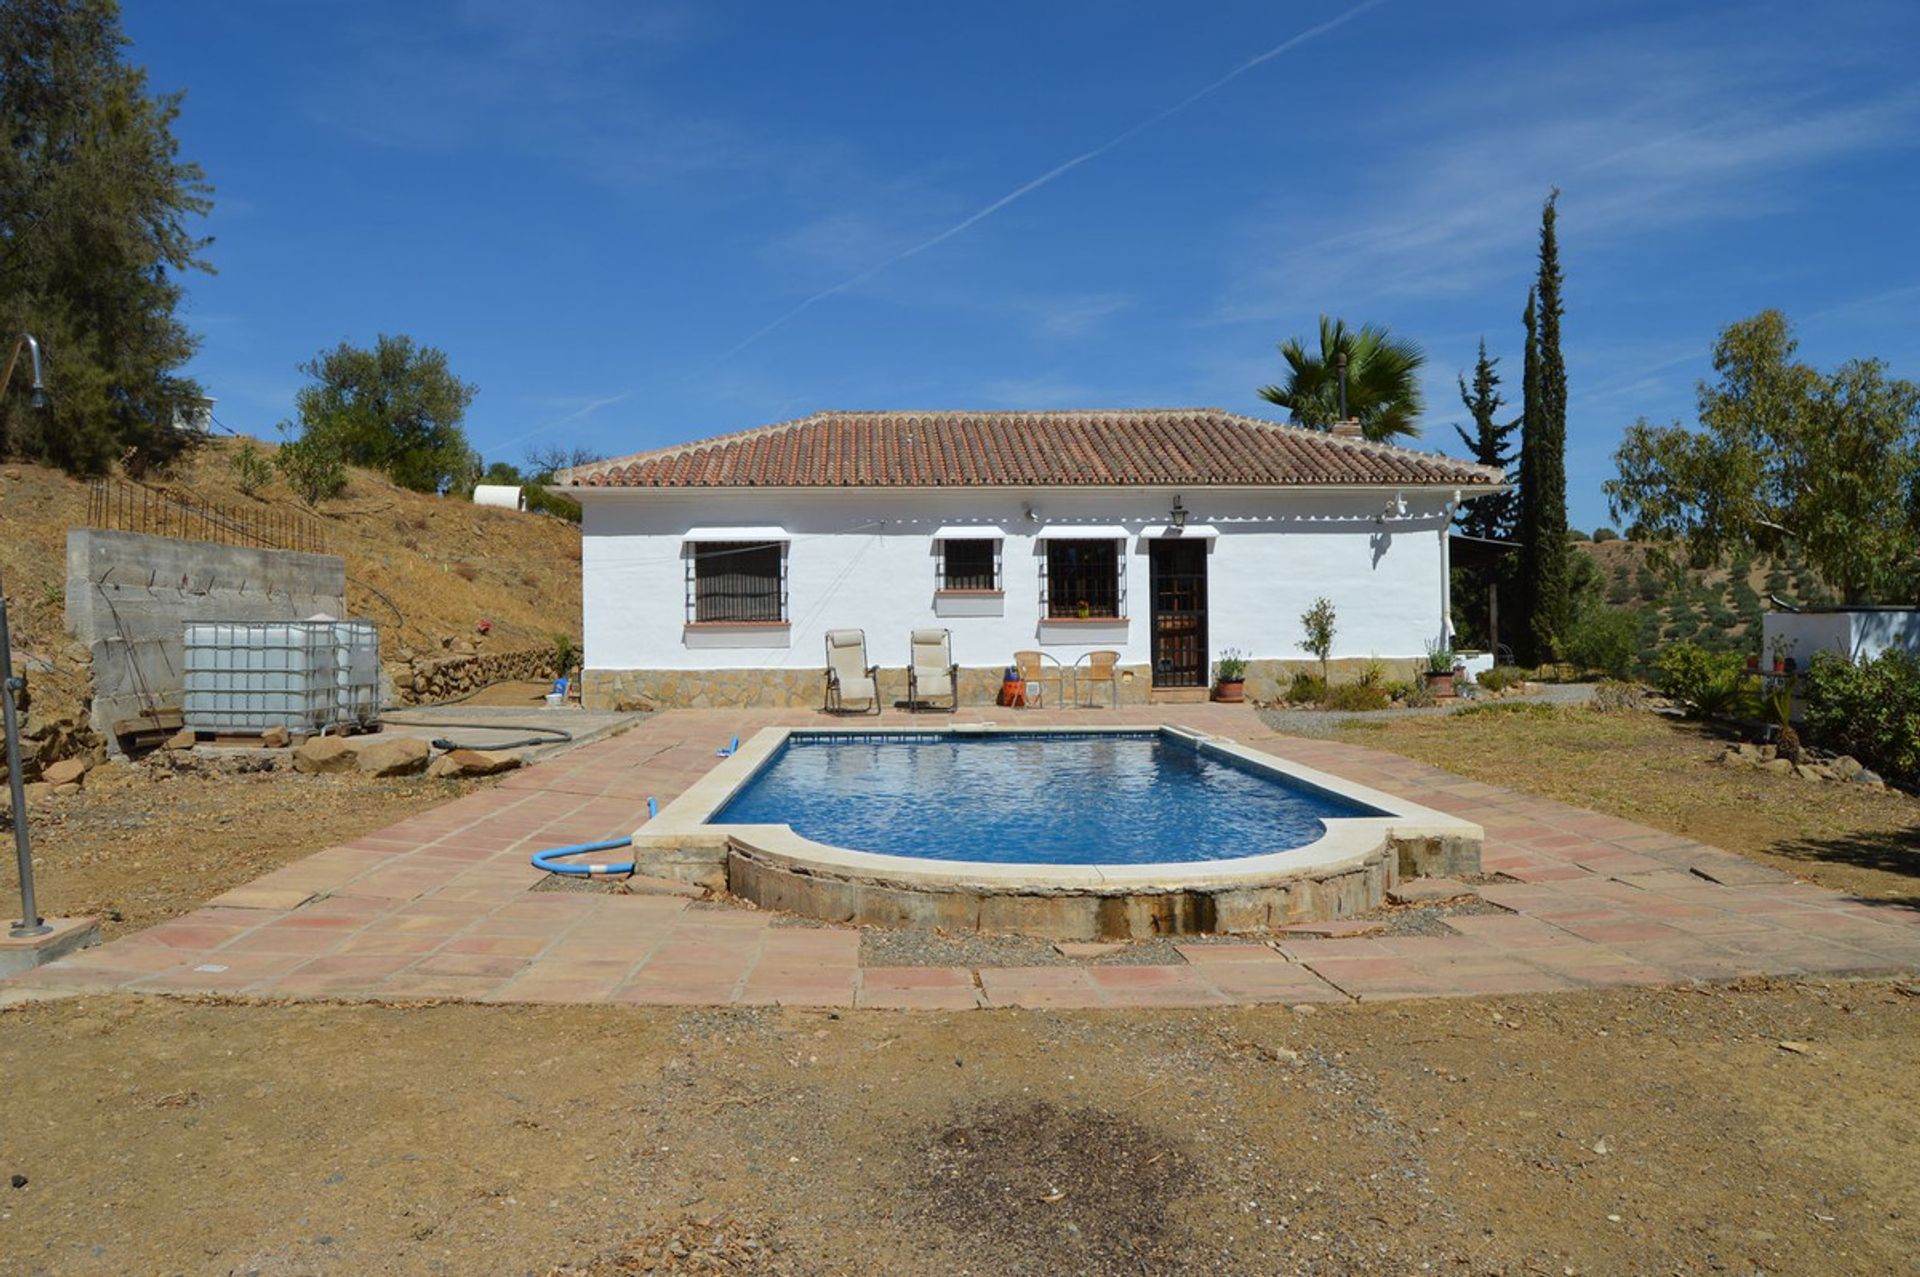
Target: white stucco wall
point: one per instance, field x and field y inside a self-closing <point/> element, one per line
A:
<point x="866" y="560"/>
<point x="1861" y="635"/>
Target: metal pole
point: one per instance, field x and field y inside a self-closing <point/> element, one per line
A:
<point x="30" y="923"/>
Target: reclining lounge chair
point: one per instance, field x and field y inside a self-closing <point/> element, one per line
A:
<point x="849" y="677"/>
<point x="931" y="672"/>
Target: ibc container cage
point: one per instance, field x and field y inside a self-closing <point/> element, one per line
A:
<point x="306" y="676"/>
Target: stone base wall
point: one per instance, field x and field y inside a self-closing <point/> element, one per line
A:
<point x="805" y="688"/>
<point x="1267" y="680"/>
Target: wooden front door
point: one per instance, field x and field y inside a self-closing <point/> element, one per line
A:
<point x="1177" y="575"/>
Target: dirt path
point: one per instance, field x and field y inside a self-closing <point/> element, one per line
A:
<point x="1762" y="1129"/>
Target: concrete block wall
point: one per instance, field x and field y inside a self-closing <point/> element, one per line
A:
<point x="130" y="596"/>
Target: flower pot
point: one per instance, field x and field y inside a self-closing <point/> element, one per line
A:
<point x="1779" y="667"/>
<point x="1440" y="684"/>
<point x="1753" y="663"/>
<point x="1232" y="691"/>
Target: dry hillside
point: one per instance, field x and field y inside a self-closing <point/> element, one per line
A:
<point x="425" y="569"/>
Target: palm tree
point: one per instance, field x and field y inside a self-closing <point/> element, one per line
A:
<point x="1383" y="382"/>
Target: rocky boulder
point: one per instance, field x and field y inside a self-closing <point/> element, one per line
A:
<point x="401" y="756"/>
<point x="459" y="764"/>
<point x="68" y="771"/>
<point x="324" y="754"/>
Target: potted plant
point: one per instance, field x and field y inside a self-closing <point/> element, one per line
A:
<point x="1440" y="669"/>
<point x="1230" y="676"/>
<point x="1082" y="610"/>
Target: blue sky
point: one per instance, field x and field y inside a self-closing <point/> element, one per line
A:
<point x="634" y="224"/>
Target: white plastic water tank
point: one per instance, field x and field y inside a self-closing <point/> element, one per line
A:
<point x="243" y="677"/>
<point x="505" y="496"/>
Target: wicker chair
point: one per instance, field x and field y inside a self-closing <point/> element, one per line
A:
<point x="1034" y="673"/>
<point x="1099" y="670"/>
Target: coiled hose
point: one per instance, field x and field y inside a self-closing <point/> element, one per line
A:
<point x="550" y="858"/>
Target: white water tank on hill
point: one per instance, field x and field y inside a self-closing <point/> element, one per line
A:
<point x="506" y="496"/>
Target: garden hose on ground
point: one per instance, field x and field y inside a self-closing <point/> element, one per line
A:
<point x="547" y="859"/>
<point x="548" y="735"/>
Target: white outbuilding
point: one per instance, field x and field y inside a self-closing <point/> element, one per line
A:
<point x="713" y="570"/>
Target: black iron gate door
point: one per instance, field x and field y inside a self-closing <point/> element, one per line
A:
<point x="1177" y="573"/>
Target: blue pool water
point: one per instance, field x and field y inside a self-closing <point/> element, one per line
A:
<point x="1101" y="799"/>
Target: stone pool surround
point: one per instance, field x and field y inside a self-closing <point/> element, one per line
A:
<point x="1347" y="871"/>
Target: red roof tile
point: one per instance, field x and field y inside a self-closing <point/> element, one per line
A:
<point x="1193" y="447"/>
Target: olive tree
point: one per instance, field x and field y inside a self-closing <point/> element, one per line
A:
<point x="1787" y="459"/>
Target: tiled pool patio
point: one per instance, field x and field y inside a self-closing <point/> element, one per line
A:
<point x="440" y="906"/>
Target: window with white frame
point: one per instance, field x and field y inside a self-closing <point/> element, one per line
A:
<point x="968" y="565"/>
<point x="736" y="582"/>
<point x="1084" y="579"/>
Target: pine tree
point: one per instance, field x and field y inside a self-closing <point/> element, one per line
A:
<point x="1490" y="516"/>
<point x="1543" y="460"/>
<point x="94" y="211"/>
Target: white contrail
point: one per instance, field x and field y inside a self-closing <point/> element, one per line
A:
<point x="1052" y="173"/>
<point x="592" y="407"/>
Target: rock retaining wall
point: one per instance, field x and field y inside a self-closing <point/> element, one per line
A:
<point x="440" y="676"/>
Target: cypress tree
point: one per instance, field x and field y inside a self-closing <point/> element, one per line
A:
<point x="96" y="213"/>
<point x="1491" y="517"/>
<point x="1543" y="460"/>
<point x="1526" y="514"/>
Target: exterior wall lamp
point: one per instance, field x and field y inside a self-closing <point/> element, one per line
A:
<point x="1178" y="515"/>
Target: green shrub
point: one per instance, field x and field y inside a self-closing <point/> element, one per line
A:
<point x="1307" y="687"/>
<point x="1869" y="709"/>
<point x="1501" y="677"/>
<point x="1605" y="639"/>
<point x="1705" y="683"/>
<point x="1603" y="535"/>
<point x="250" y="470"/>
<point x="313" y="466"/>
<point x="1412" y="695"/>
<point x="1356" y="696"/>
<point x="1373" y="673"/>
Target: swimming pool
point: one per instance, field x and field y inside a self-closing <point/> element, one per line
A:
<point x="1064" y="798"/>
<point x="1099" y="832"/>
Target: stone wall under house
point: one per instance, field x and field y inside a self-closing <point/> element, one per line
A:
<point x="788" y="688"/>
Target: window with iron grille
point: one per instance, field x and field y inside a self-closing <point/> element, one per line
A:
<point x="1083" y="579"/>
<point x="736" y="581"/>
<point x="970" y="564"/>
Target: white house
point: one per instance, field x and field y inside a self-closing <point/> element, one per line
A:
<point x="712" y="570"/>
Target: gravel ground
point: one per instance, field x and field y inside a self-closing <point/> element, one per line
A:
<point x="1757" y="1129"/>
<point x="1326" y="722"/>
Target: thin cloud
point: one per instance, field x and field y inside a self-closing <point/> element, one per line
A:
<point x="1052" y="174"/>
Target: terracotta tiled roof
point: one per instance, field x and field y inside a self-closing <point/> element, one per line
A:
<point x="1194" y="447"/>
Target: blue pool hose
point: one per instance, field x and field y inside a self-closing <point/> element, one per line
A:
<point x="547" y="859"/>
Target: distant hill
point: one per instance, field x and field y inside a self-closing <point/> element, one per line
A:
<point x="424" y="568"/>
<point x="1718" y="607"/>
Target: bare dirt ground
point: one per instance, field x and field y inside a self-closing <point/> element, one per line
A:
<point x="1660" y="771"/>
<point x="141" y="844"/>
<point x="1759" y="1129"/>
